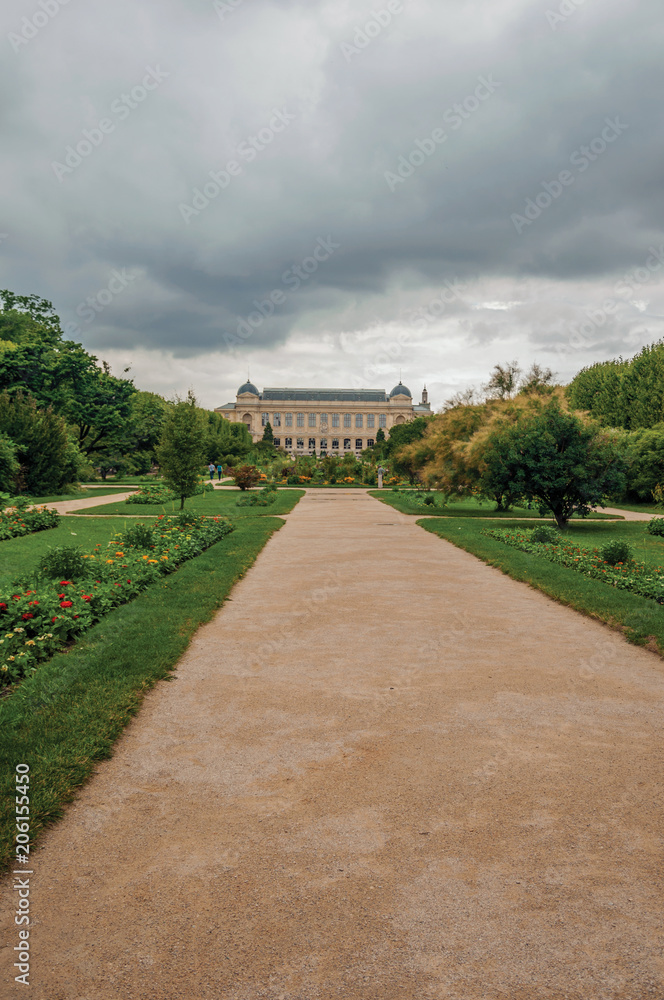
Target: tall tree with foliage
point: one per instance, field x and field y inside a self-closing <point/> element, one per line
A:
<point x="553" y="458"/>
<point x="49" y="460"/>
<point x="623" y="393"/>
<point x="268" y="435"/>
<point x="181" y="448"/>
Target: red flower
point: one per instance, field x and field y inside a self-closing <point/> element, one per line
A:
<point x="2" y="605"/>
<point x="54" y="619"/>
<point x="65" y="583"/>
<point x="60" y="596"/>
<point x="66" y="604"/>
<point x="25" y="617"/>
<point x="32" y="602"/>
<point x="128" y="581"/>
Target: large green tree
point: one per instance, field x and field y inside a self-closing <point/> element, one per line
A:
<point x="181" y="448"/>
<point x="554" y="458"/>
<point x="48" y="459"/>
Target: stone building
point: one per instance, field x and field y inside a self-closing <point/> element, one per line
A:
<point x="333" y="421"/>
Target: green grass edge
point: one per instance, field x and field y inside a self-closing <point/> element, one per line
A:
<point x="637" y="619"/>
<point x="68" y="715"/>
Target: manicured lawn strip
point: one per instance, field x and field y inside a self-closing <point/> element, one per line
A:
<point x="638" y="618"/>
<point x="465" y="508"/>
<point x="83" y="494"/>
<point x="67" y="715"/>
<point x="19" y="556"/>
<point x="640" y="508"/>
<point x="212" y="504"/>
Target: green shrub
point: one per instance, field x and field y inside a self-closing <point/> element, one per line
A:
<point x="656" y="526"/>
<point x="430" y="500"/>
<point x="62" y="561"/>
<point x="546" y="534"/>
<point x="616" y="552"/>
<point x="139" y="536"/>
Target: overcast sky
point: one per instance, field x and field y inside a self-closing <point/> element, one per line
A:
<point x="416" y="190"/>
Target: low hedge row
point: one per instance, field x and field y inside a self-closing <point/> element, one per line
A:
<point x="37" y="621"/>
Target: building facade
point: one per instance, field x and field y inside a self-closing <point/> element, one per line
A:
<point x="323" y="421"/>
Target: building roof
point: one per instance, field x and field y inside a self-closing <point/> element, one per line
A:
<point x="325" y="395"/>
<point x="401" y="390"/>
<point x="248" y="387"/>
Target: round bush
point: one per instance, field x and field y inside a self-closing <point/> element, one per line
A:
<point x="64" y="561"/>
<point x="546" y="534"/>
<point x="139" y="536"/>
<point x="616" y="552"/>
<point x="656" y="526"/>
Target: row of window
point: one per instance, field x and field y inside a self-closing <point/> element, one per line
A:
<point x="359" y="444"/>
<point x="275" y="419"/>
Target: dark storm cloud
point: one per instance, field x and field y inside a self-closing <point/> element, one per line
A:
<point x="327" y="143"/>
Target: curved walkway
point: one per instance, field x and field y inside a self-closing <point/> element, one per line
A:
<point x="384" y="770"/>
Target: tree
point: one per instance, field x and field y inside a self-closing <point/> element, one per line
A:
<point x="504" y="381"/>
<point x="181" y="448"/>
<point x="268" y="435"/>
<point x="28" y="319"/>
<point x="552" y="457"/>
<point x="9" y="465"/>
<point x="645" y="453"/>
<point x="49" y="460"/>
<point x="406" y="433"/>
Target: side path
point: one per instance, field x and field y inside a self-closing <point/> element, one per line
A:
<point x="384" y="770"/>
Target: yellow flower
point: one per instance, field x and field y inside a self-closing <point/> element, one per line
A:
<point x="119" y="553"/>
<point x="30" y="642"/>
<point x="152" y="560"/>
<point x="164" y="557"/>
<point x="4" y="668"/>
<point x="11" y="658"/>
<point x="109" y="560"/>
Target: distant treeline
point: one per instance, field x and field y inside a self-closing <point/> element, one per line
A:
<point x="627" y="394"/>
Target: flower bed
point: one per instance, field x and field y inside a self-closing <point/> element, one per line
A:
<point x="35" y="623"/>
<point x="637" y="577"/>
<point x="18" y="521"/>
<point x="162" y="494"/>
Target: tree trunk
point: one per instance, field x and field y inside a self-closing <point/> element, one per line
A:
<point x="182" y="500"/>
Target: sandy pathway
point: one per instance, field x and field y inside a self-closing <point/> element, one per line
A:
<point x="385" y="770"/>
<point x="71" y="506"/>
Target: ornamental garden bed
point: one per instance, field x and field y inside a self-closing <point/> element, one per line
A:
<point x="38" y="619"/>
<point x="220" y="502"/>
<point x="627" y="573"/>
<point x="18" y="521"/>
<point x="161" y="494"/>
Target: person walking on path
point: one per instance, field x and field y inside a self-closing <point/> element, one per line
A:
<point x="219" y="471"/>
<point x="211" y="468"/>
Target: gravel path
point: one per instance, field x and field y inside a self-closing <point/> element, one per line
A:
<point x="385" y="770"/>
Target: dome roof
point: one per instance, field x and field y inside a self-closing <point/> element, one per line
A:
<point x="248" y="387"/>
<point x="401" y="390"/>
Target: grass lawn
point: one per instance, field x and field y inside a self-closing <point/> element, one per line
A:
<point x="66" y="716"/>
<point x="82" y="494"/>
<point x="639" y="619"/>
<point x="220" y="502"/>
<point x="19" y="556"/>
<point x="462" y="508"/>
<point x="639" y="508"/>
